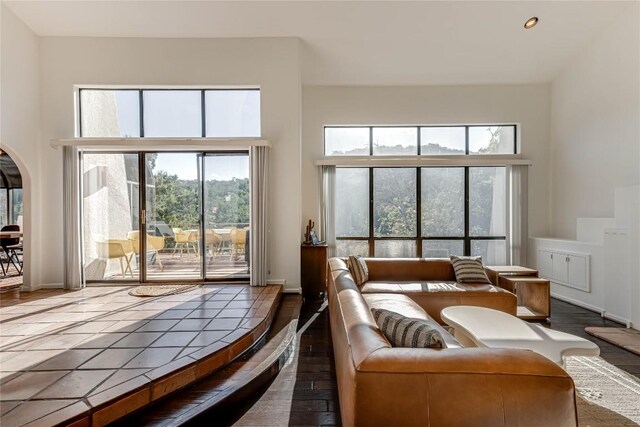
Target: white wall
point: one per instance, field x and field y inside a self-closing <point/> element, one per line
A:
<point x="527" y="105"/>
<point x="595" y="126"/>
<point x="19" y="123"/>
<point x="273" y="64"/>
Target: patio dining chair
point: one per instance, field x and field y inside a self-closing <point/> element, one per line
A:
<point x="154" y="245"/>
<point x="185" y="240"/>
<point x="238" y="241"/>
<point x="117" y="249"/>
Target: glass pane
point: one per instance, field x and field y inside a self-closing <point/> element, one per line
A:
<point x="442" y="202"/>
<point x="226" y="215"/>
<point x="232" y="113"/>
<point x="4" y="214"/>
<point x="442" y="140"/>
<point x="493" y="252"/>
<point x="492" y="139"/>
<point x="172" y="113"/>
<point x="395" y="248"/>
<point x="352" y="247"/>
<point x="352" y="202"/>
<point x="487" y="210"/>
<point x="395" y="141"/>
<point x="172" y="216"/>
<point x="394" y="202"/>
<point x="109" y="215"/>
<point x="16" y="206"/>
<point x="110" y="113"/>
<point x="442" y="248"/>
<point x="346" y="141"/>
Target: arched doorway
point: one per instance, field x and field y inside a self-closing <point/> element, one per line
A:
<point x="11" y="223"/>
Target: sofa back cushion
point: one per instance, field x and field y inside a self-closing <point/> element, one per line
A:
<point x="410" y="269"/>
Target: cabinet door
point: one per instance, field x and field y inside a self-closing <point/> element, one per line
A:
<point x="545" y="264"/>
<point x="560" y="270"/>
<point x="577" y="271"/>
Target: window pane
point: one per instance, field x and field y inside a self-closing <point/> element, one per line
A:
<point x="442" y="202"/>
<point x="347" y="141"/>
<point x="172" y="113"/>
<point x="109" y="216"/>
<point x="394" y="202"/>
<point x="352" y="247"/>
<point x="487" y="201"/>
<point x="4" y="215"/>
<point x="16" y="206"/>
<point x="395" y="141"/>
<point x="492" y="139"/>
<point x="493" y="252"/>
<point x="110" y="113"/>
<point x="442" y="140"/>
<point x="442" y="248"/>
<point x="232" y="113"/>
<point x="395" y="248"/>
<point x="352" y="202"/>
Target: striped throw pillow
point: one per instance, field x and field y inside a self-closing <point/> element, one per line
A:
<point x="469" y="269"/>
<point x="403" y="331"/>
<point x="358" y="268"/>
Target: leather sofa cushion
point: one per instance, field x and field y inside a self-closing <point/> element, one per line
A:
<point x="419" y="269"/>
<point x="407" y="307"/>
<point x="424" y="287"/>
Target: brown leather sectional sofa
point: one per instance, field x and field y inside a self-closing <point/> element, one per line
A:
<point x="384" y="386"/>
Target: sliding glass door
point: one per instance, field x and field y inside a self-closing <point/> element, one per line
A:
<point x="172" y="216"/>
<point x="226" y="215"/>
<point x="192" y="206"/>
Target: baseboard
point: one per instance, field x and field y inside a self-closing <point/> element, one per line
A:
<point x="43" y="286"/>
<point x="589" y="307"/>
<point x="297" y="290"/>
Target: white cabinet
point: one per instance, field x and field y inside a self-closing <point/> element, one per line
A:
<point x="565" y="268"/>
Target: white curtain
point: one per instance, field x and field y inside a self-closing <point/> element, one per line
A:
<point x="328" y="207"/>
<point x="518" y="233"/>
<point x="71" y="203"/>
<point x="259" y="158"/>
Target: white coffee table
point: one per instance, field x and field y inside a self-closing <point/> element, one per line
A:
<point x="484" y="327"/>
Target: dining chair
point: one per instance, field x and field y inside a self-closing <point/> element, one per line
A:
<point x="12" y="247"/>
<point x="154" y="245"/>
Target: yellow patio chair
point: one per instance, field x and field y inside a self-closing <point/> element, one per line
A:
<point x="117" y="249"/>
<point x="238" y="241"/>
<point x="184" y="240"/>
<point x="154" y="245"/>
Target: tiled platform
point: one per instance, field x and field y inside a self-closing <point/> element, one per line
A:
<point x="92" y="356"/>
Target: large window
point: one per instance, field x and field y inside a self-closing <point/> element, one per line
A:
<point x="419" y="140"/>
<point x="224" y="113"/>
<point x="429" y="212"/>
<point x="425" y="212"/>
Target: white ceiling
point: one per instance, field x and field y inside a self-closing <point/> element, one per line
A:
<point x="361" y="42"/>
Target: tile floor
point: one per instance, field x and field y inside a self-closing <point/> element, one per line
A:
<point x="101" y="352"/>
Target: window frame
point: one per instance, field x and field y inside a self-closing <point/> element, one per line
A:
<point x="419" y="138"/>
<point x="203" y="111"/>
<point x="467" y="239"/>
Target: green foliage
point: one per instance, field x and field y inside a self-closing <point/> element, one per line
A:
<point x="175" y="201"/>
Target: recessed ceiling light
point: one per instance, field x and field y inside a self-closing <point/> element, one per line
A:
<point x="531" y="22"/>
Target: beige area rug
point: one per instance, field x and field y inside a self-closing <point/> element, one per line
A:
<point x="607" y="396"/>
<point x="160" y="290"/>
<point x="626" y="338"/>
